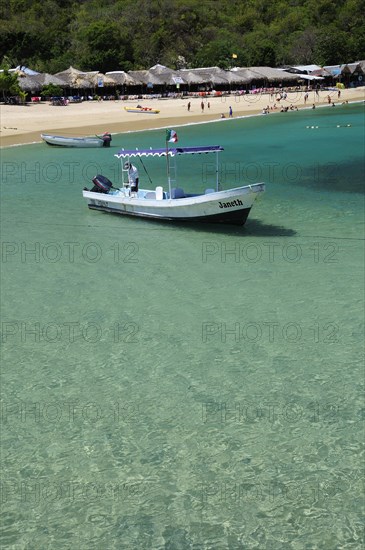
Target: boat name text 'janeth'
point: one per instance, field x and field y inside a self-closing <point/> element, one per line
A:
<point x="236" y="202"/>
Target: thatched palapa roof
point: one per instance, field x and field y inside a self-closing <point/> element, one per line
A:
<point x="78" y="79"/>
<point x="165" y="75"/>
<point x="162" y="76"/>
<point x="191" y="77"/>
<point x="34" y="83"/>
<point x="351" y="68"/>
<point x="263" y="73"/>
<point x="211" y="75"/>
<point x="120" y="78"/>
<point x="214" y="76"/>
<point x="158" y="75"/>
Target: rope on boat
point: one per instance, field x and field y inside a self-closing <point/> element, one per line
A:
<point x="145" y="170"/>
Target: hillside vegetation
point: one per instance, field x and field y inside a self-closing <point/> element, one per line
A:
<point x="105" y="35"/>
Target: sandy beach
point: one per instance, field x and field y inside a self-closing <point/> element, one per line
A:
<point x="24" y="124"/>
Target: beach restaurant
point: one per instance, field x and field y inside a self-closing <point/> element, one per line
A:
<point x="160" y="81"/>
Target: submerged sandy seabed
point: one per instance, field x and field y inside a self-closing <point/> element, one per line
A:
<point x="21" y="124"/>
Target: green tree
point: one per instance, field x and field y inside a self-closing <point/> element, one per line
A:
<point x="131" y="34"/>
<point x="51" y="90"/>
<point x="9" y="82"/>
<point x="23" y="96"/>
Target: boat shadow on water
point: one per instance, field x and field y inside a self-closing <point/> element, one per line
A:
<point x="260" y="229"/>
<point x="252" y="227"/>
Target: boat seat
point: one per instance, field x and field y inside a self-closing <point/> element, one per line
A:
<point x="177" y="193"/>
<point x="207" y="191"/>
<point x="150" y="195"/>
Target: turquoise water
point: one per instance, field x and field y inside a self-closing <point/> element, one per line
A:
<point x="174" y="387"/>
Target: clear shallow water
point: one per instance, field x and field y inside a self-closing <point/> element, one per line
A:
<point x="174" y="387"/>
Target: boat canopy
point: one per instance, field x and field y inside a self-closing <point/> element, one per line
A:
<point x="170" y="151"/>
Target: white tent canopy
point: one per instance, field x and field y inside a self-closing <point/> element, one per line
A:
<point x="309" y="77"/>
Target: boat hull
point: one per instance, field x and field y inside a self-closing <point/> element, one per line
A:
<point x="62" y="141"/>
<point x="228" y="207"/>
<point x="229" y="218"/>
<point x="144" y="110"/>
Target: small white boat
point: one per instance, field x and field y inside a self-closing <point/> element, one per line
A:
<point x="140" y="109"/>
<point x="62" y="141"/>
<point x="213" y="206"/>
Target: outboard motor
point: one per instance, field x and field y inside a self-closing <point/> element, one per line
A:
<point x="101" y="184"/>
<point x="106" y="137"/>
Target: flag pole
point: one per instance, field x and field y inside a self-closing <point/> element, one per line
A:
<point x="168" y="163"/>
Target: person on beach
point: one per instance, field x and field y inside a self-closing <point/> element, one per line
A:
<point x="133" y="177"/>
<point x="306" y="95"/>
<point x="202" y="106"/>
<point x="230" y="111"/>
<point x="189" y="105"/>
<point x="208" y="105"/>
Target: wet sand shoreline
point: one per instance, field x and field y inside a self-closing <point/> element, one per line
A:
<point x="23" y="124"/>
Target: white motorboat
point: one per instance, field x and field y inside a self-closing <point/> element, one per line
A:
<point x="231" y="206"/>
<point x="62" y="141"/>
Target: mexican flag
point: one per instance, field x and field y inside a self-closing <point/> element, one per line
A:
<point x="171" y="136"/>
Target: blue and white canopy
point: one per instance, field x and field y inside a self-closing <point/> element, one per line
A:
<point x="173" y="151"/>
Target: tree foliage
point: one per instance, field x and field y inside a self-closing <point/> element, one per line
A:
<point x="51" y="90"/>
<point x="104" y="35"/>
<point x="8" y="81"/>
